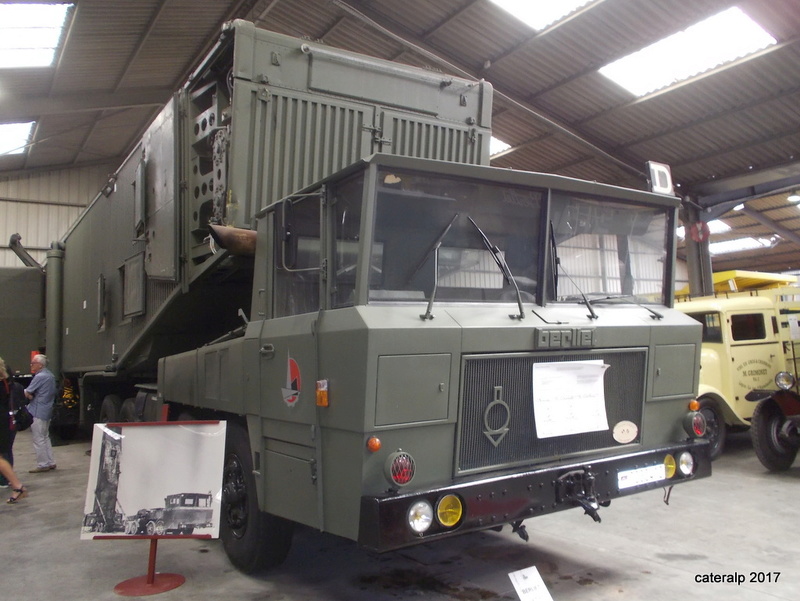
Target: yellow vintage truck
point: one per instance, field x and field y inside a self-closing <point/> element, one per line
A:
<point x="751" y="343"/>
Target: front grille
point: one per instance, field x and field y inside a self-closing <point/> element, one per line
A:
<point x="482" y="374"/>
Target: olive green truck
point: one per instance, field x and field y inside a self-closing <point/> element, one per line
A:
<point x="406" y="344"/>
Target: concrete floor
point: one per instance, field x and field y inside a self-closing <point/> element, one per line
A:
<point x="742" y="520"/>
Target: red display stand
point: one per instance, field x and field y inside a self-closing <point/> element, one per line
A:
<point x="151" y="584"/>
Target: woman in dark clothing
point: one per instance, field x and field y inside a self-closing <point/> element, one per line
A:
<point x="7" y="393"/>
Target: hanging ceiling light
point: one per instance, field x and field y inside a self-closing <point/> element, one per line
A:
<point x="794" y="196"/>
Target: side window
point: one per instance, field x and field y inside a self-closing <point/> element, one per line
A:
<point x="297" y="257"/>
<point x="347" y="228"/>
<point x="712" y="326"/>
<point x="749" y="326"/>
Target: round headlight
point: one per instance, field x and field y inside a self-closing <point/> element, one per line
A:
<point x="686" y="463"/>
<point x="784" y="380"/>
<point x="449" y="510"/>
<point x="420" y="516"/>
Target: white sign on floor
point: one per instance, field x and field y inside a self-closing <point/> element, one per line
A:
<point x="529" y="585"/>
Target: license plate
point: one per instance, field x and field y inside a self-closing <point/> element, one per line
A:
<point x="642" y="475"/>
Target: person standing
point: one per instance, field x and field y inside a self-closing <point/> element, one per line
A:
<point x="6" y="471"/>
<point x="42" y="395"/>
<point x="11" y="399"/>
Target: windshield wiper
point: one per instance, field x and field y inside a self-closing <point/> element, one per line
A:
<point x="435" y="250"/>
<point x="504" y="269"/>
<point x="592" y="314"/>
<point x="629" y="297"/>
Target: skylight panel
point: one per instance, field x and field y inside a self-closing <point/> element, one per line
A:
<point x="714" y="227"/>
<point x="538" y="14"/>
<point x="29" y="34"/>
<point x="739" y="245"/>
<point x="718" y="40"/>
<point x="14" y="137"/>
<point x="496" y="146"/>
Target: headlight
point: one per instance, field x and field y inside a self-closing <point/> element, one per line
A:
<point x="784" y="380"/>
<point x="686" y="463"/>
<point x="449" y="510"/>
<point x="420" y="516"/>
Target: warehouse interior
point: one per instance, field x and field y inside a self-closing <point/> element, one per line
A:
<point x="729" y="134"/>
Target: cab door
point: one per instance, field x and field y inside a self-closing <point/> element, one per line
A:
<point x="288" y="363"/>
<point x="756" y="355"/>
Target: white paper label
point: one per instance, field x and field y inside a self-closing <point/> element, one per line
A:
<point x="568" y="398"/>
<point x="529" y="585"/>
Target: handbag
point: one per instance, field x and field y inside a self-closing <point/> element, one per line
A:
<point x="23" y="419"/>
<point x="19" y="419"/>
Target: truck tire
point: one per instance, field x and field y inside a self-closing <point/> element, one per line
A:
<point x="716" y="429"/>
<point x="127" y="412"/>
<point x="772" y="450"/>
<point x="253" y="540"/>
<point x="109" y="409"/>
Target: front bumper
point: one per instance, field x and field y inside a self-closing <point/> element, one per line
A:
<point x="493" y="501"/>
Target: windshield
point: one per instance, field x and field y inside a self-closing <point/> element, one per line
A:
<point x="453" y="236"/>
<point x="607" y="248"/>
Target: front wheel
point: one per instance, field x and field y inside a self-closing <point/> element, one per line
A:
<point x="716" y="430"/>
<point x="769" y="430"/>
<point x="253" y="540"/>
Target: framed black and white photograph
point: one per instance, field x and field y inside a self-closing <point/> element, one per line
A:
<point x="155" y="479"/>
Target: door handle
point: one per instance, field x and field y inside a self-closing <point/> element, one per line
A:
<point x="267" y="350"/>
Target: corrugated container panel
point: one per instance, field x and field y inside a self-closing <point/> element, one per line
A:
<point x="429" y="140"/>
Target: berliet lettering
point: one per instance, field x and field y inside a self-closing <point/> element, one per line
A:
<point x="564" y="338"/>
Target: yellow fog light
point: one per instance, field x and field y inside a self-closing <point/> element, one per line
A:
<point x="449" y="510"/>
<point x="669" y="466"/>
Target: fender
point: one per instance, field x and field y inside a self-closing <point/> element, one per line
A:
<point x="787" y="400"/>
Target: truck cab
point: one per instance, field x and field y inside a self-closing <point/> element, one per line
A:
<point x="436" y="349"/>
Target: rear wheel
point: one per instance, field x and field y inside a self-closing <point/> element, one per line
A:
<point x="770" y="432"/>
<point x="716" y="430"/>
<point x="110" y="408"/>
<point x="127" y="412"/>
<point x="253" y="540"/>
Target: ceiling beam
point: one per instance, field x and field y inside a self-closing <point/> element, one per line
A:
<point x="143" y="39"/>
<point x="19" y="108"/>
<point x="783" y="232"/>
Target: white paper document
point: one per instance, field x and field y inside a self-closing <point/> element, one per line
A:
<point x="568" y="398"/>
<point x="529" y="585"/>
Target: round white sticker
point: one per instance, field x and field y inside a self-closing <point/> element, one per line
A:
<point x="625" y="432"/>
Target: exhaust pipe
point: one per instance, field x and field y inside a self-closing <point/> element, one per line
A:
<point x="237" y="241"/>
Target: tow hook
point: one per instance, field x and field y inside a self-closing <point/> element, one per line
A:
<point x="519" y="529"/>
<point x="578" y="487"/>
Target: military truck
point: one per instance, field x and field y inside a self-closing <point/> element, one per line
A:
<point x="181" y="514"/>
<point x="405" y="343"/>
<point x="750" y="336"/>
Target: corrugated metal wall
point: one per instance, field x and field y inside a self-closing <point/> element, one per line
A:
<point x="42" y="206"/>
